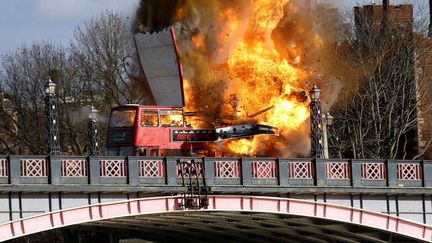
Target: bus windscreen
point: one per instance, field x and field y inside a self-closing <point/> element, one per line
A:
<point x="122" y="118"/>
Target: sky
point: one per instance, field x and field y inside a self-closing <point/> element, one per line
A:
<point x="29" y="21"/>
<point x="23" y="22"/>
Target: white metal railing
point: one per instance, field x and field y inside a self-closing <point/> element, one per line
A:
<point x="373" y="171"/>
<point x="112" y="168"/>
<point x="227" y="169"/>
<point x="408" y="171"/>
<point x="151" y="168"/>
<point x="337" y="170"/>
<point x="34" y="168"/>
<point x="74" y="168"/>
<point x="3" y="168"/>
<point x="264" y="169"/>
<point x="300" y="170"/>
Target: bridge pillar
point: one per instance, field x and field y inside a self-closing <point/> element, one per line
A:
<point x="427" y="173"/>
<point x="209" y="171"/>
<point x="171" y="171"/>
<point x="356" y="173"/>
<point x="94" y="170"/>
<point x="391" y="173"/>
<point x="283" y="178"/>
<point x="55" y="170"/>
<point x="246" y="176"/>
<point x="320" y="171"/>
<point x="15" y="170"/>
<point x="133" y="170"/>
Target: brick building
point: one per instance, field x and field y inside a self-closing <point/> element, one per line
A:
<point x="424" y="82"/>
<point x="400" y="16"/>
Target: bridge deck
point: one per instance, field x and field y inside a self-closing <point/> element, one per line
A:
<point x="33" y="184"/>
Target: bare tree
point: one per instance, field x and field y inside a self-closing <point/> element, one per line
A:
<point x="24" y="75"/>
<point x="95" y="70"/>
<point x="105" y="67"/>
<point x="377" y="115"/>
<point x="102" y="54"/>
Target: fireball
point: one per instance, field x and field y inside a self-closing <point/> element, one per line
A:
<point x="255" y="75"/>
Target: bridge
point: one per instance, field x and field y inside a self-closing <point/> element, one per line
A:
<point x="267" y="199"/>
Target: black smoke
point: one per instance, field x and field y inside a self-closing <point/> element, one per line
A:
<point x="155" y="15"/>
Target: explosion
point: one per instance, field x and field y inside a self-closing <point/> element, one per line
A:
<point x="241" y="66"/>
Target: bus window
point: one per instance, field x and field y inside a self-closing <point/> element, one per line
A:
<point x="122" y="118"/>
<point x="154" y="152"/>
<point x="120" y="151"/>
<point x="111" y="151"/>
<point x="148" y="151"/>
<point x="142" y="152"/>
<point x="171" y="118"/>
<point x="202" y="152"/>
<point x="149" y="118"/>
<point x="171" y="152"/>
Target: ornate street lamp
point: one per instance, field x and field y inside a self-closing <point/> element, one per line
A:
<point x="93" y="132"/>
<point x="317" y="150"/>
<point x="327" y="120"/>
<point x="52" y="128"/>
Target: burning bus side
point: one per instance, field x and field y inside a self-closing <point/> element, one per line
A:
<point x="136" y="130"/>
<point x="149" y="131"/>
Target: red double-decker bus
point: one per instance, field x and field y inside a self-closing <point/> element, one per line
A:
<point x="154" y="131"/>
<point x="164" y="131"/>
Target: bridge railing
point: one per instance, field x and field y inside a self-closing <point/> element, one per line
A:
<point x="158" y="171"/>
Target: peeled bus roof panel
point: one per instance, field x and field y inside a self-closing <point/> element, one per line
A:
<point x="160" y="63"/>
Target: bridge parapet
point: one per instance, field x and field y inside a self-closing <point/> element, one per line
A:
<point x="160" y="171"/>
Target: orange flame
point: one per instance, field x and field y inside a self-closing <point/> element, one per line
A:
<point x="261" y="78"/>
<point x="258" y="77"/>
<point x="198" y="41"/>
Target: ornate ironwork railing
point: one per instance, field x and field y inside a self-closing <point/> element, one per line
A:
<point x="74" y="168"/>
<point x="151" y="168"/>
<point x="408" y="171"/>
<point x="112" y="168"/>
<point x="300" y="170"/>
<point x="219" y="171"/>
<point x="338" y="170"/>
<point x="264" y="169"/>
<point x="34" y="168"/>
<point x="3" y="168"/>
<point x="227" y="169"/>
<point x="373" y="171"/>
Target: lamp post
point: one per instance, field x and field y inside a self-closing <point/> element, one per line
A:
<point x="93" y="132"/>
<point x="327" y="120"/>
<point x="316" y="124"/>
<point x="52" y="128"/>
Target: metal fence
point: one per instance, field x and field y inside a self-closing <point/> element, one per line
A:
<point x="156" y="171"/>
